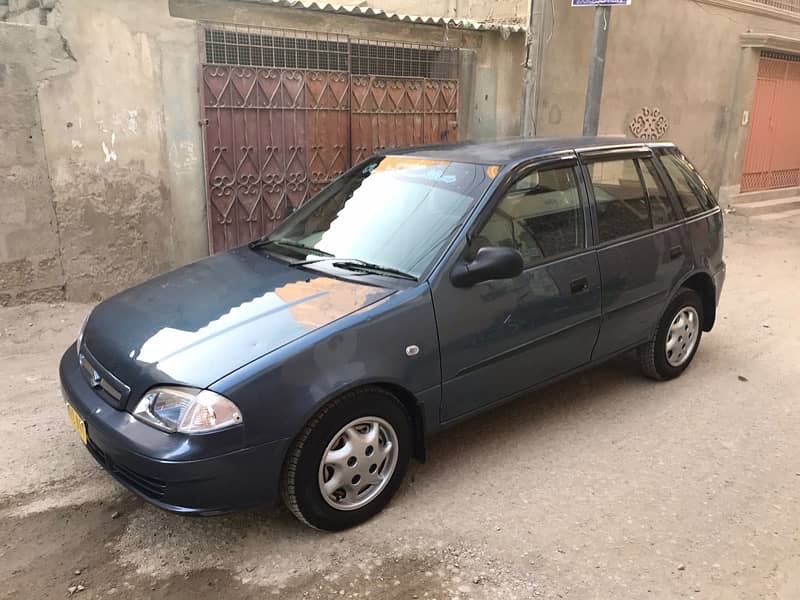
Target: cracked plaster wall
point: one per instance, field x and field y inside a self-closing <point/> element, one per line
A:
<point x="30" y="261"/>
<point x="114" y="178"/>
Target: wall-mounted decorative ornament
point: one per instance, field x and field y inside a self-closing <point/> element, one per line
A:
<point x="649" y="125"/>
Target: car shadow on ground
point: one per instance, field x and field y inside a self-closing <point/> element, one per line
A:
<point x="518" y="420"/>
<point x="524" y="420"/>
<point x="563" y="404"/>
<point x="163" y="548"/>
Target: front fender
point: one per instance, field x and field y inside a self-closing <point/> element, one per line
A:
<point x="279" y="392"/>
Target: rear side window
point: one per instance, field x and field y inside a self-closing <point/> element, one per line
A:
<point x="540" y="215"/>
<point x="693" y="193"/>
<point x="660" y="206"/>
<point x="621" y="201"/>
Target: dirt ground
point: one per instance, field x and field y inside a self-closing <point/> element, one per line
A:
<point x="605" y="486"/>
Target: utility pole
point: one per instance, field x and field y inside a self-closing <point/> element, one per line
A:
<point x="532" y="68"/>
<point x="594" y="88"/>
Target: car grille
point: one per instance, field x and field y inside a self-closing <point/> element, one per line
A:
<point x="149" y="486"/>
<point x="108" y="387"/>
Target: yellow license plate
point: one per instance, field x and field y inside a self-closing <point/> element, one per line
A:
<point x="78" y="424"/>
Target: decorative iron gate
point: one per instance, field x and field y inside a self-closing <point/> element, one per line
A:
<point x="772" y="157"/>
<point x="393" y="113"/>
<point x="285" y="114"/>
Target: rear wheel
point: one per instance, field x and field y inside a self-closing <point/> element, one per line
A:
<point x="349" y="460"/>
<point x="676" y="339"/>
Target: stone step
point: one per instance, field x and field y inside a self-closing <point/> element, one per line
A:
<point x="786" y="214"/>
<point x="775" y="194"/>
<point x="763" y="207"/>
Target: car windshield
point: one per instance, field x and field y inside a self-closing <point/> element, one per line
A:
<point x="394" y="212"/>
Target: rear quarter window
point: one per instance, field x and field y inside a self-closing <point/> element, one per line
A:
<point x="661" y="207"/>
<point x="620" y="200"/>
<point x="693" y="194"/>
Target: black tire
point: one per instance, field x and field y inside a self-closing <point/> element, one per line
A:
<point x="653" y="354"/>
<point x="300" y="486"/>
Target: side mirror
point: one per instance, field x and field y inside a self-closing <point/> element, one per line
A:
<point x="489" y="263"/>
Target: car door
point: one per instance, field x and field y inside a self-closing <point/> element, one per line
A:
<point x="498" y="338"/>
<point x="642" y="249"/>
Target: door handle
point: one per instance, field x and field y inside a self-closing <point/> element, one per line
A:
<point x="675" y="252"/>
<point x="576" y="286"/>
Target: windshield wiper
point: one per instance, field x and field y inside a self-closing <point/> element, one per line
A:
<point x="367" y="267"/>
<point x="350" y="264"/>
<point x="356" y="264"/>
<point x="289" y="244"/>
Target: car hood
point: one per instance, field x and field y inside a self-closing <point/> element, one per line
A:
<point x="198" y="323"/>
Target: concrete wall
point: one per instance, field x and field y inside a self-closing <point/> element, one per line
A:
<point x="30" y="261"/>
<point x="102" y="160"/>
<point x="681" y="56"/>
<point x="491" y="77"/>
<point x="115" y="145"/>
<point x="123" y="144"/>
<point x="104" y="166"/>
<point x="497" y="94"/>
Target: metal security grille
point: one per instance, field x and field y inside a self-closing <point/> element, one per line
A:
<point x="787" y="5"/>
<point x="772" y="156"/>
<point x="265" y="48"/>
<point x="285" y="112"/>
<point x="779" y="56"/>
<point x="402" y="60"/>
<point x="225" y="45"/>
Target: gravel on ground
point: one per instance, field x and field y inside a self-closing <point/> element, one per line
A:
<point x="606" y="485"/>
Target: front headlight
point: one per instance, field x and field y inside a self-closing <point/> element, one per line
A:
<point x="186" y="410"/>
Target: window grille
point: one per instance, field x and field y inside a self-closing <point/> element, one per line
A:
<point x="258" y="47"/>
<point x="787" y="5"/>
<point x="249" y="49"/>
<point x="780" y="55"/>
<point x="402" y="60"/>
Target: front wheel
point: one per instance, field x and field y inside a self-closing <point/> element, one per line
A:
<point x="676" y="339"/>
<point x="349" y="460"/>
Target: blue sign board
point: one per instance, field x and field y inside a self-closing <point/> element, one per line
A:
<point x="601" y="2"/>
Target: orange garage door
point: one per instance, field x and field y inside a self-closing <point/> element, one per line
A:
<point x="772" y="158"/>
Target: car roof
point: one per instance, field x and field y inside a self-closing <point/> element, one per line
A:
<point x="512" y="150"/>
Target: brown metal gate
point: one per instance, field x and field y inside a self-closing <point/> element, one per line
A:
<point x="285" y="114"/>
<point x="772" y="156"/>
<point x="393" y="113"/>
<point x="273" y="138"/>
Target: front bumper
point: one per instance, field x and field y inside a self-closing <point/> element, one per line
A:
<point x="143" y="459"/>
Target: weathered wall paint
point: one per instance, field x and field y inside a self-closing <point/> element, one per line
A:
<point x="30" y="261"/>
<point x="116" y="146"/>
<point x="682" y="57"/>
<point x="123" y="144"/>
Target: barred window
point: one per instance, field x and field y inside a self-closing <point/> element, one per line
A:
<point x="787" y="5"/>
<point x="256" y="50"/>
<point x="328" y="52"/>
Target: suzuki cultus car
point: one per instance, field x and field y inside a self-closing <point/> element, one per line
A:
<point x="420" y="288"/>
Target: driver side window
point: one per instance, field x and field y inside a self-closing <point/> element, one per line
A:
<point x="540" y="216"/>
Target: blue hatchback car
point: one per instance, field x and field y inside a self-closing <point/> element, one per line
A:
<point x="422" y="287"/>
